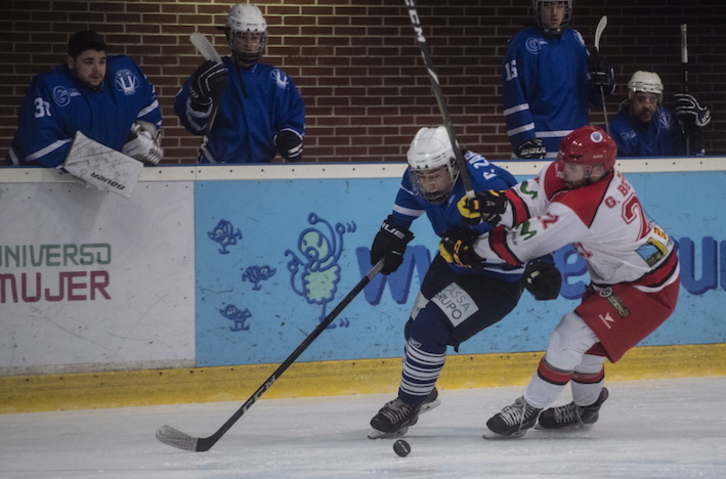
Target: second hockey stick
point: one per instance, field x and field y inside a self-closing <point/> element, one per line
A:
<point x="207" y="50"/>
<point x="684" y="65"/>
<point x="174" y="437"/>
<point x="440" y="98"/>
<point x="598" y="33"/>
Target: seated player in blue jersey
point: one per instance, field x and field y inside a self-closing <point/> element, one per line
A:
<point x="454" y="302"/>
<point x="106" y="98"/>
<point x="245" y="111"/>
<point x="644" y="127"/>
<point x="549" y="82"/>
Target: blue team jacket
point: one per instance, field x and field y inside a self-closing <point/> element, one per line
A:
<point x="56" y="106"/>
<point x="255" y="105"/>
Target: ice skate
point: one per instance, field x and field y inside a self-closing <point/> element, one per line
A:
<point x="571" y="415"/>
<point x="513" y="421"/>
<point x="394" y="419"/>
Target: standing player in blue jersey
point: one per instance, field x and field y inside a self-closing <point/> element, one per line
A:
<point x="550" y="82"/>
<point x="246" y="111"/>
<point x="454" y="303"/>
<point x="107" y="98"/>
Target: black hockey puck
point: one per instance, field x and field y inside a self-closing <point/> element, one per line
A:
<point x="401" y="447"/>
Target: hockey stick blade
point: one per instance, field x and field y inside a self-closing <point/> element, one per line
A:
<point x="204" y="47"/>
<point x="176" y="438"/>
<point x="598" y="31"/>
<point x="440" y="98"/>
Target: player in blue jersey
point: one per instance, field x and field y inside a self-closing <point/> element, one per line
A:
<point x="550" y="82"/>
<point x="107" y="98"/>
<point x="455" y="302"/>
<point x="246" y="111"/>
<point x="644" y="127"/>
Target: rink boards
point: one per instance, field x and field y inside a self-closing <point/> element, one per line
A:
<point x="197" y="286"/>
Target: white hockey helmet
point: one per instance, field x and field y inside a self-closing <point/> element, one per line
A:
<point x="538" y="4"/>
<point x="246" y="18"/>
<point x="431" y="152"/>
<point x="647" y="82"/>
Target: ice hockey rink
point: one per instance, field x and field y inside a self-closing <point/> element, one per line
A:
<point x="657" y="429"/>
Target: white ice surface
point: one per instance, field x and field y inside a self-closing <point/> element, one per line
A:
<point x="648" y="429"/>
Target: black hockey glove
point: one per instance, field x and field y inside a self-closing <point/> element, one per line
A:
<point x="207" y="82"/>
<point x="542" y="279"/>
<point x="457" y="246"/>
<point x="487" y="206"/>
<point x="531" y="150"/>
<point x="390" y="244"/>
<point x="602" y="74"/>
<point x="290" y="145"/>
<point x="690" y="113"/>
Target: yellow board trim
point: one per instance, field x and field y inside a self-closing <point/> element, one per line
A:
<point x="20" y="394"/>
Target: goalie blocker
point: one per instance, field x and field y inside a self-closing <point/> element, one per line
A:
<point x="102" y="167"/>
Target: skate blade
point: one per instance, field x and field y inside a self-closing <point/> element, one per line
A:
<point x="493" y="435"/>
<point x="538" y="427"/>
<point x="376" y="434"/>
<point x="429" y="406"/>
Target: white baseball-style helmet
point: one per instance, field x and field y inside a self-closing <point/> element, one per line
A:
<point x="246" y="18"/>
<point x="430" y="150"/>
<point x="647" y="82"/>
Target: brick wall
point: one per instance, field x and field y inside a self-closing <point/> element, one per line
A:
<point x="357" y="64"/>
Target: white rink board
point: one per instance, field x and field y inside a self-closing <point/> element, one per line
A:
<point x="116" y="277"/>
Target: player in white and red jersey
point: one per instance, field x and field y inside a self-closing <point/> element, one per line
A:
<point x="583" y="200"/>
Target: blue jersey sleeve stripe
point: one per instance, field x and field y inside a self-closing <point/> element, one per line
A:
<point x="516" y="109"/>
<point x="521" y="129"/>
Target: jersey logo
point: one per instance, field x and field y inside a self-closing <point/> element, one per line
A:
<point x="62" y="96"/>
<point x="665" y="121"/>
<point x="533" y="45"/>
<point x="280" y="78"/>
<point x="126" y="82"/>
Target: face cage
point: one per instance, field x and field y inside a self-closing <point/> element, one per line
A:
<point x="246" y="57"/>
<point x="435" y="197"/>
<point x="565" y="20"/>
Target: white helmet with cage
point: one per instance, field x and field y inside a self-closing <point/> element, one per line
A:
<point x="647" y="82"/>
<point x="549" y="28"/>
<point x="432" y="164"/>
<point x="246" y="20"/>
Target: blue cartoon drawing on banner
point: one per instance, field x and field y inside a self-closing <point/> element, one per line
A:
<point x="315" y="276"/>
<point x="224" y="234"/>
<point x="257" y="274"/>
<point x="238" y="316"/>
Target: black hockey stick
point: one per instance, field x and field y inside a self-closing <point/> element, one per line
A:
<point x="598" y="33"/>
<point x="440" y="99"/>
<point x="174" y="437"/>
<point x="684" y="65"/>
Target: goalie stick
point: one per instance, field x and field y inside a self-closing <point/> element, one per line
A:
<point x="598" y="33"/>
<point x="174" y="437"/>
<point x="207" y="50"/>
<point x="440" y="99"/>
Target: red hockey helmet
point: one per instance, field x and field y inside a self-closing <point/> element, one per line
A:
<point x="588" y="145"/>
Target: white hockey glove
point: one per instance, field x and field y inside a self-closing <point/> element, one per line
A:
<point x="143" y="143"/>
